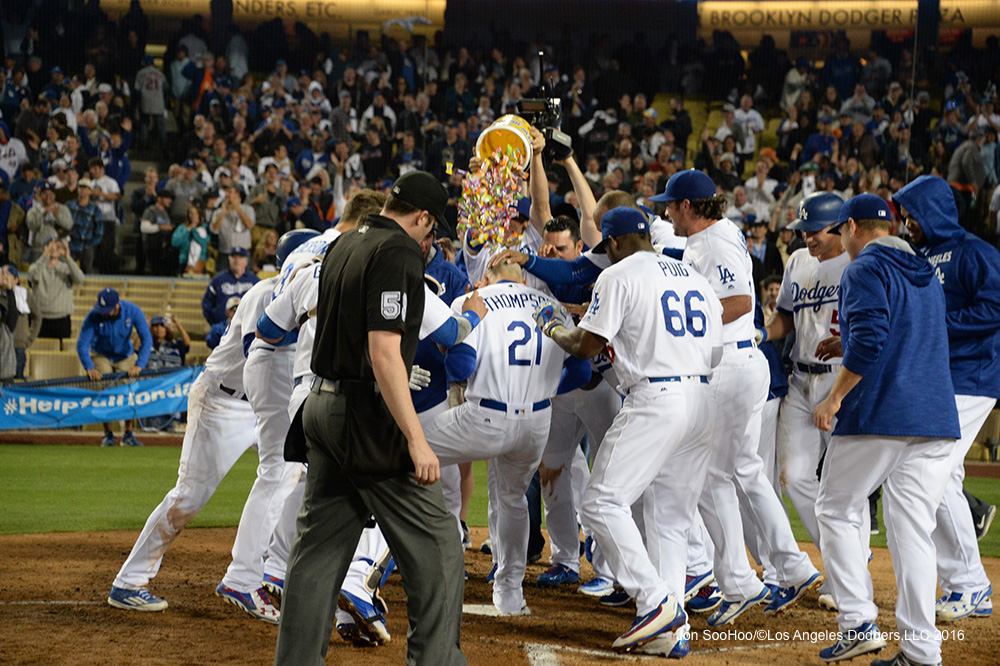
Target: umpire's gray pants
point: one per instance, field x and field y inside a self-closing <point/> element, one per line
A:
<point x="335" y="508"/>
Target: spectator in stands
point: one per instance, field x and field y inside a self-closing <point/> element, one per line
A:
<point x="151" y="86"/>
<point x="11" y="224"/>
<point x="52" y="277"/>
<point x="48" y="218"/>
<point x="752" y="124"/>
<point x="232" y="222"/>
<point x="764" y="247"/>
<point x="267" y="200"/>
<point x="191" y="241"/>
<point x="967" y="175"/>
<point x="171" y="342"/>
<point x="9" y="316"/>
<point x="106" y="194"/>
<point x="235" y="281"/>
<point x="905" y="158"/>
<point x="157" y="230"/>
<point x="950" y="130"/>
<point x="186" y="188"/>
<point x="449" y="150"/>
<point x="408" y="157"/>
<point x="859" y="105"/>
<point x="299" y="215"/>
<point x="265" y="252"/>
<point x="29" y="321"/>
<point x="105" y="346"/>
<point x="12" y="153"/>
<point x="88" y="228"/>
<point x="216" y="332"/>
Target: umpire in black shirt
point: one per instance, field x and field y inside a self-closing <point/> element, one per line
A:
<point x="365" y="447"/>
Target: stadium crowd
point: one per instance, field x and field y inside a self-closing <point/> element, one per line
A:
<point x="246" y="143"/>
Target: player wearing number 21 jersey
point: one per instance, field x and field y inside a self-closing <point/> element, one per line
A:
<point x="663" y="322"/>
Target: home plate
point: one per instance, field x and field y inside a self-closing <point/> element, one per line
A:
<point x="487" y="610"/>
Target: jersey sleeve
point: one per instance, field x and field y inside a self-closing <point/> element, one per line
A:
<point x="785" y="302"/>
<point x="393" y="274"/>
<point x="727" y="270"/>
<point x="604" y="316"/>
<point x="436" y="313"/>
<point x="288" y="307"/>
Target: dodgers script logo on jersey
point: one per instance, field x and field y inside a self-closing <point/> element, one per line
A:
<point x="813" y="296"/>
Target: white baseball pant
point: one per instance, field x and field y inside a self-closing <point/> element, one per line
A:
<point x="220" y="429"/>
<point x="800" y="444"/>
<point x="594" y="411"/>
<point x="658" y="447"/>
<point x="765" y="448"/>
<point x="512" y="442"/>
<point x="267" y="377"/>
<point x="451" y="476"/>
<point x="913" y="473"/>
<point x="960" y="568"/>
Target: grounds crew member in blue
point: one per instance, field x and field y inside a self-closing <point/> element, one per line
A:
<point x="896" y="427"/>
<point x="969" y="270"/>
<point x="105" y="346"/>
<point x="366" y="451"/>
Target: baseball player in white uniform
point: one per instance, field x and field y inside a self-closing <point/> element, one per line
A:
<point x="267" y="379"/>
<point x="220" y="429"/>
<point x="662" y="323"/>
<point x="716" y="248"/>
<point x="807" y="304"/>
<point x="513" y="372"/>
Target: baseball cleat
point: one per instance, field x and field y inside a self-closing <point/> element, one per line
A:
<point x="368" y="619"/>
<point x="275" y="586"/>
<point x="558" y="574"/>
<point x="128" y="439"/>
<point x="899" y="659"/>
<point x="486" y="546"/>
<point x="521" y="612"/>
<point x="491" y="576"/>
<point x="826" y="601"/>
<point x="959" y="606"/>
<point x="707" y="600"/>
<point x="693" y="584"/>
<point x="861" y="640"/>
<point x="982" y="524"/>
<point x="597" y="587"/>
<point x="670" y="644"/>
<point x="786" y="597"/>
<point x="108" y="439"/>
<point x="665" y="617"/>
<point x="728" y="611"/>
<point x="619" y="597"/>
<point x="140" y="600"/>
<point x="255" y="603"/>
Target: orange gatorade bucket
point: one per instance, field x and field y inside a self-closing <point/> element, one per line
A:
<point x="509" y="133"/>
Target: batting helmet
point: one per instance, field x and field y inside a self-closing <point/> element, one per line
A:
<point x="291" y="240"/>
<point x="817" y="211"/>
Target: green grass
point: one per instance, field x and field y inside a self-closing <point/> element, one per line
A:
<point x="87" y="488"/>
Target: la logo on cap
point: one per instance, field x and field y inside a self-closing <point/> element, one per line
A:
<point x="103" y="300"/>
<point x="881" y="213"/>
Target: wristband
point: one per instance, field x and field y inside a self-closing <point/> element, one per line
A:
<point x="530" y="262"/>
<point x="472" y="316"/>
<point x="551" y="327"/>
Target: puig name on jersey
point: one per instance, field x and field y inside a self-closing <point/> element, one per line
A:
<point x="815" y="296"/>
<point x="520" y="300"/>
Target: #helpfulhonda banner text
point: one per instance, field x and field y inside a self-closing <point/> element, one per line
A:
<point x="61" y="407"/>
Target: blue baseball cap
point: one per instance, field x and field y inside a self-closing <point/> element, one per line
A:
<point x="951" y="105"/>
<point x="239" y="251"/>
<point x="523" y="208"/>
<point x="12" y="269"/>
<point x="620" y="221"/>
<point x="690" y="184"/>
<point x="189" y="164"/>
<point x="162" y="321"/>
<point x="106" y="301"/>
<point x="863" y="207"/>
<point x="292" y="201"/>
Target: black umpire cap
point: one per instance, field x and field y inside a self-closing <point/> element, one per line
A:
<point x="422" y="190"/>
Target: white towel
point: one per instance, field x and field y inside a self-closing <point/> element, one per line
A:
<point x="21" y="298"/>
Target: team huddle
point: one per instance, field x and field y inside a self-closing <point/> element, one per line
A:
<point x="652" y="343"/>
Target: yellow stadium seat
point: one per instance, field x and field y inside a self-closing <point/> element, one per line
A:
<point x="45" y="344"/>
<point x="54" y="365"/>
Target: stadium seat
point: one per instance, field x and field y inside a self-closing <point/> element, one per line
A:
<point x="45" y="344"/>
<point x="54" y="365"/>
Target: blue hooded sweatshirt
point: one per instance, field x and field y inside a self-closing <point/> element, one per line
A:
<point x="893" y="333"/>
<point x="969" y="270"/>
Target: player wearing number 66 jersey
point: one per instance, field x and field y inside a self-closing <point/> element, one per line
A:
<point x="736" y="479"/>
<point x="663" y="322"/>
<point x="513" y="372"/>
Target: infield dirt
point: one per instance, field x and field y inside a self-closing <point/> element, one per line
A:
<point x="54" y="587"/>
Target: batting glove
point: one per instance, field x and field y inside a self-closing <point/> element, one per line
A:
<point x="419" y="378"/>
<point x="549" y="315"/>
